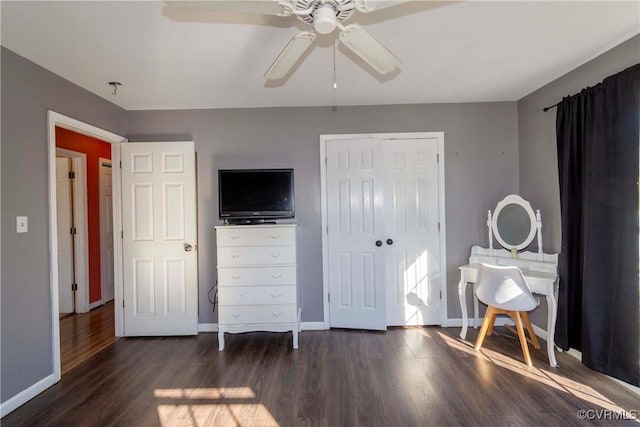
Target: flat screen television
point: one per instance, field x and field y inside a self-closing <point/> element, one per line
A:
<point x="255" y="195"/>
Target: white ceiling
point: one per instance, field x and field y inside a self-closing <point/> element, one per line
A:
<point x="471" y="51"/>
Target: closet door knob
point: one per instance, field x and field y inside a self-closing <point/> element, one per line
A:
<point x="389" y="242"/>
<point x="378" y="243"/>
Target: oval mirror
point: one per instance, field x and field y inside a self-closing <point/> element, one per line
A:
<point x="514" y="223"/>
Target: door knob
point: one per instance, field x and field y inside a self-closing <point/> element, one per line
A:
<point x="188" y="247"/>
<point x="389" y="242"/>
<point x="378" y="243"/>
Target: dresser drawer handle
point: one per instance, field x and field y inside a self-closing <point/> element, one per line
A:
<point x="275" y="236"/>
<point x="236" y="277"/>
<point x="275" y="255"/>
<point x="276" y="314"/>
<point x="277" y="295"/>
<point x="236" y="256"/>
<point x="235" y="237"/>
<point x="236" y="315"/>
<point x="276" y="276"/>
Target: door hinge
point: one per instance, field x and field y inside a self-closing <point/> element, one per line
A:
<point x="329" y="297"/>
<point x="440" y="294"/>
<point x="122" y="303"/>
<point x="122" y="234"/>
<point x="73" y="231"/>
<point x="120" y="164"/>
<point x="74" y="286"/>
<point x="438" y="227"/>
<point x="72" y="174"/>
<point x="437" y="158"/>
<point x="325" y="161"/>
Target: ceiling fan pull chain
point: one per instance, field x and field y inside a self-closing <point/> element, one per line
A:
<point x="335" y="84"/>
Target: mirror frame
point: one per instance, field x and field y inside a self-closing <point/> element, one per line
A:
<point x="514" y="199"/>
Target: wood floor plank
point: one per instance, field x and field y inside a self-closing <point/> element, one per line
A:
<point x="405" y="377"/>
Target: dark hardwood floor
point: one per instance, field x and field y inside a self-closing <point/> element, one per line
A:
<point x="85" y="334"/>
<point x="404" y="377"/>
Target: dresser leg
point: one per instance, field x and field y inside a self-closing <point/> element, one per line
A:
<point x="295" y="338"/>
<point x="220" y="338"/>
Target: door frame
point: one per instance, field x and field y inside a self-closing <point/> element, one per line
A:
<point x="324" y="139"/>
<point x="56" y="119"/>
<point x="101" y="162"/>
<point x="81" y="246"/>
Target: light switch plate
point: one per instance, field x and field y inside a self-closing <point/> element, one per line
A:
<point x="22" y="224"/>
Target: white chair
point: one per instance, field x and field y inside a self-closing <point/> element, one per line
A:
<point x="504" y="290"/>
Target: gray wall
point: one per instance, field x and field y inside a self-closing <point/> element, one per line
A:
<point x="28" y="91"/>
<point x="537" y="139"/>
<point x="481" y="166"/>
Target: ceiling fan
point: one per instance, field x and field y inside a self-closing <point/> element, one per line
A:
<point x="324" y="16"/>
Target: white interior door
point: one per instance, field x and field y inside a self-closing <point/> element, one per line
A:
<point x="65" y="242"/>
<point x="106" y="230"/>
<point x="412" y="260"/>
<point x="354" y="218"/>
<point x="159" y="243"/>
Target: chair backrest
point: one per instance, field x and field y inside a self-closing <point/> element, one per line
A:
<point x="504" y="287"/>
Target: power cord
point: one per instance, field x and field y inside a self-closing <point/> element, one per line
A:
<point x="214" y="289"/>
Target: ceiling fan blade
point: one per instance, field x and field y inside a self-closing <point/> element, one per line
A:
<point x="291" y="53"/>
<point x="261" y="7"/>
<point x="372" y="5"/>
<point x="369" y="49"/>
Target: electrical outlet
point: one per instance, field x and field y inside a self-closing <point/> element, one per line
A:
<point x="22" y="224"/>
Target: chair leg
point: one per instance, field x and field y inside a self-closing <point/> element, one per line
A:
<point x="492" y="321"/>
<point x="485" y="327"/>
<point x="532" y="334"/>
<point x="522" y="337"/>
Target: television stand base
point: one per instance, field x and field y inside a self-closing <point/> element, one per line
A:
<point x="248" y="221"/>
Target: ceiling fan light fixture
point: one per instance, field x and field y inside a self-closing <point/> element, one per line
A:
<point x="324" y="19"/>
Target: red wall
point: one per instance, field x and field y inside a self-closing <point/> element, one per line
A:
<point x="94" y="149"/>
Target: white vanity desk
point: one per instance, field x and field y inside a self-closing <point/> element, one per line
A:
<point x="539" y="269"/>
<point x="541" y="277"/>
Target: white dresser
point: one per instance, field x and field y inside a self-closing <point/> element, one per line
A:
<point x="257" y="279"/>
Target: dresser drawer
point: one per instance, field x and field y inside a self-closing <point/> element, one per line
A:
<point x="256" y="276"/>
<point x="280" y="313"/>
<point x="257" y="295"/>
<point x="256" y="255"/>
<point x="256" y="236"/>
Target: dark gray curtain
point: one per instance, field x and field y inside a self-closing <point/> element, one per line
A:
<point x="598" y="137"/>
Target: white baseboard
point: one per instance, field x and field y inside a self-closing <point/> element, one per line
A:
<point x="207" y="327"/>
<point x="306" y="326"/>
<point x="95" y="304"/>
<point x="26" y="395"/>
<point x="312" y="326"/>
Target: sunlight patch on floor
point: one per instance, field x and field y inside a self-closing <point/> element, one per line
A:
<point x="222" y="406"/>
<point x="544" y="376"/>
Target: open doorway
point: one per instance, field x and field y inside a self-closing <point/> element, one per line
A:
<point x="84" y="312"/>
<point x="85" y="246"/>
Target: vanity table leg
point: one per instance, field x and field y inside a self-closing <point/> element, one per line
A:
<point x="295" y="338"/>
<point x="476" y="311"/>
<point x="462" y="287"/>
<point x="220" y="338"/>
<point x="552" y="312"/>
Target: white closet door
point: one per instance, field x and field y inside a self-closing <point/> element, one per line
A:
<point x="412" y="259"/>
<point x="159" y="243"/>
<point x="355" y="214"/>
<point x="383" y="190"/>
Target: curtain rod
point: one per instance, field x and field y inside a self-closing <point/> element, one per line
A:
<point x="545" y="109"/>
